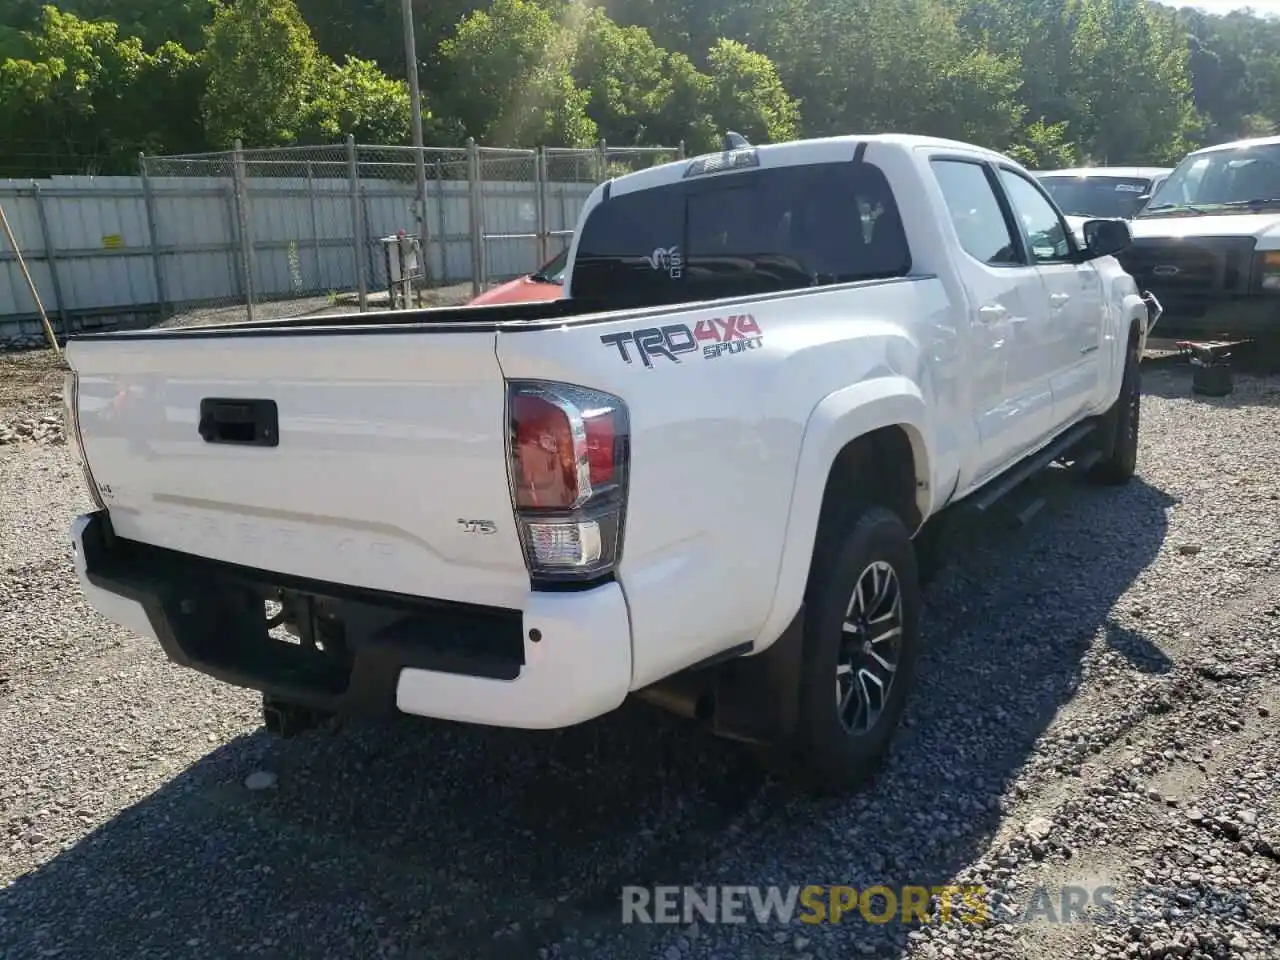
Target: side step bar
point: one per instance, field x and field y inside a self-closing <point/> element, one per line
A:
<point x="988" y="496"/>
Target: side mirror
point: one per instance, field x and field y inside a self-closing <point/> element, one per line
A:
<point x="1104" y="238"/>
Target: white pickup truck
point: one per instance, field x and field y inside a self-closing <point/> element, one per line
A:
<point x="1208" y="243"/>
<point x="696" y="479"/>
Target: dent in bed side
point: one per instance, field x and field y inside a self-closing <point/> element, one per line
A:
<point x="838" y="420"/>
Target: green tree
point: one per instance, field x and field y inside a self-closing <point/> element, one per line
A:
<point x="692" y="27"/>
<point x="1130" y="86"/>
<point x="1044" y="146"/>
<point x="1234" y="63"/>
<point x="683" y="116"/>
<point x="155" y="24"/>
<point x="746" y="95"/>
<point x="359" y="99"/>
<point x="96" y="98"/>
<point x="623" y="73"/>
<point x="369" y="29"/>
<point x="262" y="63"/>
<point x="868" y="66"/>
<point x="13" y="43"/>
<point x="1052" y="81"/>
<point x="512" y="82"/>
<point x="1118" y="73"/>
<point x="1036" y="33"/>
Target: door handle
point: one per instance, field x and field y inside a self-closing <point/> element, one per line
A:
<point x="1058" y="299"/>
<point x="992" y="313"/>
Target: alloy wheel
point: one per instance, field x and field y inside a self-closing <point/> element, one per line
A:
<point x="870" y="648"/>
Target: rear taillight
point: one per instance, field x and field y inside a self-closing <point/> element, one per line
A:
<point x="71" y="430"/>
<point x="570" y="449"/>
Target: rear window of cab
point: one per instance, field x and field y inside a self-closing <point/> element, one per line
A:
<point x="736" y="234"/>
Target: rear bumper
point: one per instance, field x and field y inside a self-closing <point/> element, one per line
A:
<point x="449" y="661"/>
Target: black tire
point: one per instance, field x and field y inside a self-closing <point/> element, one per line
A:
<point x="1120" y="459"/>
<point x="825" y="755"/>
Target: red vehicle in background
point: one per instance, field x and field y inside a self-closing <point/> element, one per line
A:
<point x="547" y="283"/>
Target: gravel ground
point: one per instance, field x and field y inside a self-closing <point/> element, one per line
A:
<point x="1097" y="708"/>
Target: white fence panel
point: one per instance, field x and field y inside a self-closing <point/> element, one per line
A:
<point x="24" y="221"/>
<point x="197" y="238"/>
<point x="171" y="239"/>
<point x="98" y="232"/>
<point x="302" y="237"/>
<point x="457" y="231"/>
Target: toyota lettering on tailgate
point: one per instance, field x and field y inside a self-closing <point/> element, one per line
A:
<point x="717" y="337"/>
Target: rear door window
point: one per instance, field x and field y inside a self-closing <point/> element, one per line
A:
<point x="737" y="234"/>
<point x="981" y="227"/>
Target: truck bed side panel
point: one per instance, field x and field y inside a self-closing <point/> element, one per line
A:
<point x="716" y="440"/>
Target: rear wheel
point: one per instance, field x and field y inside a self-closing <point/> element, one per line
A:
<point x="861" y="644"/>
<point x="1120" y="459"/>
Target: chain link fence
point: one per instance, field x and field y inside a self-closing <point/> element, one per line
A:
<point x="290" y="231"/>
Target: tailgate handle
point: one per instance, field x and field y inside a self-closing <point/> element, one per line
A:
<point x="252" y="423"/>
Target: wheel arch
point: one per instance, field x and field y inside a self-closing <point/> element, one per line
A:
<point x="873" y="434"/>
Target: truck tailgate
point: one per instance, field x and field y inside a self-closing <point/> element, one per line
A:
<point x="389" y="472"/>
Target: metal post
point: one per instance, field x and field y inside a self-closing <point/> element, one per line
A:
<point x="371" y="258"/>
<point x="602" y="158"/>
<point x="420" y="160"/>
<point x="540" y="203"/>
<point x="235" y="264"/>
<point x="359" y="240"/>
<point x="242" y="217"/>
<point x="475" y="199"/>
<point x="440" y="219"/>
<point x="564" y="207"/>
<point x="681" y="153"/>
<point x="315" y="224"/>
<point x="153" y="238"/>
<point x="50" y="256"/>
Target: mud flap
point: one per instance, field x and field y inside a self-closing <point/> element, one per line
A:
<point x="757" y="698"/>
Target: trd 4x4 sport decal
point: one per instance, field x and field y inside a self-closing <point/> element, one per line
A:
<point x="716" y="337"/>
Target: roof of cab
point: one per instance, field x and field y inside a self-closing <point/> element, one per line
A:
<point x="1237" y="145"/>
<point x="816" y="150"/>
<point x="1133" y="172"/>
